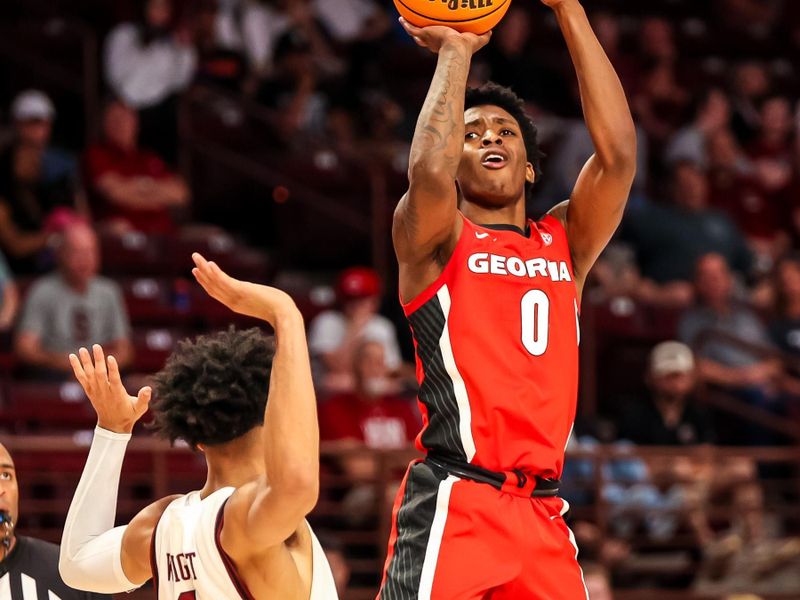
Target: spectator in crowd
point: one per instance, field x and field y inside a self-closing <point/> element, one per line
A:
<point x="510" y="61"/>
<point x="754" y="554"/>
<point x="255" y="27"/>
<point x="598" y="584"/>
<point x="598" y="546"/>
<point x="28" y="567"/>
<point x="574" y="149"/>
<point x="607" y="27"/>
<point x="146" y="64"/>
<point x="722" y="361"/>
<point x="72" y="308"/>
<point x="293" y="89"/>
<point x="669" y="238"/>
<point x="773" y="158"/>
<point x="219" y="63"/>
<point x="508" y="56"/>
<point x="38" y="185"/>
<point x="357" y="29"/>
<point x="689" y="144"/>
<point x="754" y="18"/>
<point x="252" y="28"/>
<point x="335" y="334"/>
<point x="372" y="414"/>
<point x="351" y="21"/>
<point x="774" y="142"/>
<point x="669" y="416"/>
<point x="9" y="296"/>
<point x="657" y="41"/>
<point x="247" y="28"/>
<point x="736" y="189"/>
<point x="750" y="85"/>
<point x="131" y="188"/>
<point x="660" y="103"/>
<point x="784" y="324"/>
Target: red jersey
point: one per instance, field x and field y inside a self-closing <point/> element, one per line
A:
<point x="496" y="339"/>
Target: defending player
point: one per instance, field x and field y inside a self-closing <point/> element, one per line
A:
<point x="244" y="535"/>
<point x="492" y="299"/>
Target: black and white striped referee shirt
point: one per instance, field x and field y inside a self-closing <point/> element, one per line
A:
<point x="30" y="572"/>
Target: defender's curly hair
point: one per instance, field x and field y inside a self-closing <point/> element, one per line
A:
<point x="214" y="389"/>
<point x="505" y="98"/>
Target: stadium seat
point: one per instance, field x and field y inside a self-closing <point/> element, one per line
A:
<point x="34" y="406"/>
<point x="239" y="260"/>
<point x="153" y="346"/>
<point x="8" y="359"/>
<point x="150" y="301"/>
<point x="133" y="253"/>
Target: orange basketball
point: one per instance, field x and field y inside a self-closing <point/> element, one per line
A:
<point x="476" y="16"/>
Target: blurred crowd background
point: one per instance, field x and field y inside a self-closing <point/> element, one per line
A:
<point x="272" y="135"/>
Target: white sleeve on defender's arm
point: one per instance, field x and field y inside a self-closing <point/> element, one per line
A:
<point x="91" y="547"/>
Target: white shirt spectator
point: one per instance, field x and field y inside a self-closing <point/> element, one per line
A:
<point x="345" y="19"/>
<point x="252" y="28"/>
<point x="143" y="76"/>
<point x="687" y="145"/>
<point x="328" y="330"/>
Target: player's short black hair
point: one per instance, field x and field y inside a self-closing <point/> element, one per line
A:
<point x="497" y="95"/>
<point x="214" y="389"/>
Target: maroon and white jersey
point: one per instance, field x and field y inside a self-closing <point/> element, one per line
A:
<point x="189" y="561"/>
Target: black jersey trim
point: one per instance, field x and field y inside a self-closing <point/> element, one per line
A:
<point x="414" y="523"/>
<point x="436" y="391"/>
<point x="508" y="227"/>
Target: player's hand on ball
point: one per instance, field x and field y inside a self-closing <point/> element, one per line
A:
<point x="435" y="36"/>
<point x="259" y="301"/>
<point x="99" y="377"/>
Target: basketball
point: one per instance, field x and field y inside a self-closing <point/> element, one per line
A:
<point x="474" y="16"/>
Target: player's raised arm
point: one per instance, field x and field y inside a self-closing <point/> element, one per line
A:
<point x="95" y="556"/>
<point x="267" y="512"/>
<point x="426" y="215"/>
<point x="595" y="208"/>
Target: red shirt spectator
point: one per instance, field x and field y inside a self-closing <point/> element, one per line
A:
<point x="130" y="186"/>
<point x="772" y="151"/>
<point x="737" y="189"/>
<point x="382" y="422"/>
<point x="373" y="413"/>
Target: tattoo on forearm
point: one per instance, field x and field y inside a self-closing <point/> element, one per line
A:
<point x="440" y="126"/>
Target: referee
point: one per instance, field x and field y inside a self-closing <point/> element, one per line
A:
<point x="28" y="567"/>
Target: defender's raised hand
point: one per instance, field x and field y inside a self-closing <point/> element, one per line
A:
<point x="243" y="297"/>
<point x="116" y="410"/>
<point x="435" y="36"/>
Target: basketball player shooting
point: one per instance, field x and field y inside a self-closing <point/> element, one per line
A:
<point x="244" y="534"/>
<point x="492" y="299"/>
